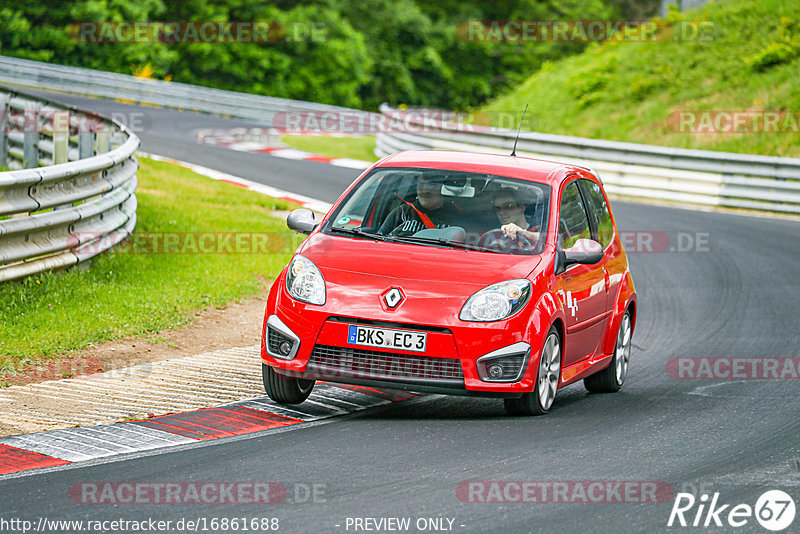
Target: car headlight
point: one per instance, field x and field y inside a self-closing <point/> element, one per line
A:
<point x="304" y="281"/>
<point x="497" y="301"/>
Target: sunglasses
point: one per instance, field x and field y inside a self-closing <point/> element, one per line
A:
<point x="507" y="206"/>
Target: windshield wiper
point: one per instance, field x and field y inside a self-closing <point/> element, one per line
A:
<point x="425" y="241"/>
<point x="445" y="242"/>
<point x="361" y="233"/>
<point x="358" y="231"/>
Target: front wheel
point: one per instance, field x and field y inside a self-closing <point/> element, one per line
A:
<point x="610" y="379"/>
<point x="284" y="389"/>
<point x="539" y="401"/>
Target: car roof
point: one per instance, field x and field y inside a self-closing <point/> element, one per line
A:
<point x="537" y="170"/>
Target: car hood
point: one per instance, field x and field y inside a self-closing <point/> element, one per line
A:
<point x="435" y="281"/>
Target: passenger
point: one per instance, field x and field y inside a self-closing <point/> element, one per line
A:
<point x="429" y="210"/>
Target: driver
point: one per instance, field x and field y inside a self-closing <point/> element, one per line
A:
<point x="510" y="210"/>
<point x="429" y="210"/>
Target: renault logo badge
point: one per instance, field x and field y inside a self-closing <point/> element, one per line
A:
<point x="393" y="298"/>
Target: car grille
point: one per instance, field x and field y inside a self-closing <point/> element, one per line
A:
<point x="274" y="340"/>
<point x="372" y="364"/>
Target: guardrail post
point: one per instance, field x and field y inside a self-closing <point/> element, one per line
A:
<point x="4" y="111"/>
<point x="103" y="140"/>
<point x="61" y="143"/>
<point x="30" y="154"/>
<point x="85" y="144"/>
<point x="60" y="137"/>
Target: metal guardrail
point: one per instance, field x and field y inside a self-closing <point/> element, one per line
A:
<point x="71" y="195"/>
<point x="124" y="88"/>
<point x="645" y="171"/>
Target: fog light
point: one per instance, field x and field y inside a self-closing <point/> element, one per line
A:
<point x="495" y="371"/>
<point x="285" y="348"/>
<point x="506" y="364"/>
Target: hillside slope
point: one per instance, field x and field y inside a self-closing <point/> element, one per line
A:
<point x="748" y="62"/>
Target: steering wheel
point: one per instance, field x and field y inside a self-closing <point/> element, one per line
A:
<point x="497" y="240"/>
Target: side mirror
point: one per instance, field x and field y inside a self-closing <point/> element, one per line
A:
<point x="584" y="251"/>
<point x="301" y="221"/>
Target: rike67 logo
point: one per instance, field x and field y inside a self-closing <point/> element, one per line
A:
<point x="774" y="510"/>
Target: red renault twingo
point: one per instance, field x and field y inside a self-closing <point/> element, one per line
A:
<point x="455" y="273"/>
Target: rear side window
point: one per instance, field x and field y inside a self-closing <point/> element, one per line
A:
<point x="573" y="223"/>
<point x="599" y="210"/>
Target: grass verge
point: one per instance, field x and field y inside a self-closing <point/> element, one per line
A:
<point x="361" y="148"/>
<point x="135" y="292"/>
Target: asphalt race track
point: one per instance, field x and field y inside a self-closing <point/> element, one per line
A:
<point x="732" y="292"/>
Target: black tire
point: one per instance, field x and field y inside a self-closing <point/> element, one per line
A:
<point x="610" y="379"/>
<point x="539" y="401"/>
<point x="283" y="389"/>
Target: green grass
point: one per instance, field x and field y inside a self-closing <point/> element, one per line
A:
<point x="632" y="91"/>
<point x="361" y="148"/>
<point x="122" y="294"/>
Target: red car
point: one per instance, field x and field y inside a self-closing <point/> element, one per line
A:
<point x="455" y="273"/>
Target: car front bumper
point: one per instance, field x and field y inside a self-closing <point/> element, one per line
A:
<point x="455" y="360"/>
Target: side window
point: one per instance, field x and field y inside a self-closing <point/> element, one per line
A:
<point x="599" y="210"/>
<point x="573" y="223"/>
<point x="357" y="211"/>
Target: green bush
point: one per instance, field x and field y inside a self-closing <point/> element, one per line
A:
<point x="643" y="86"/>
<point x="774" y="54"/>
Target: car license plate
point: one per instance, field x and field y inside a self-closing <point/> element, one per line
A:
<point x="386" y="338"/>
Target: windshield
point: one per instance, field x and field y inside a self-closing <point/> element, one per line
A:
<point x="437" y="207"/>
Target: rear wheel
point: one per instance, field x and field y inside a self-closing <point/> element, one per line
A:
<point x="539" y="401"/>
<point x="284" y="389"/>
<point x="610" y="379"/>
